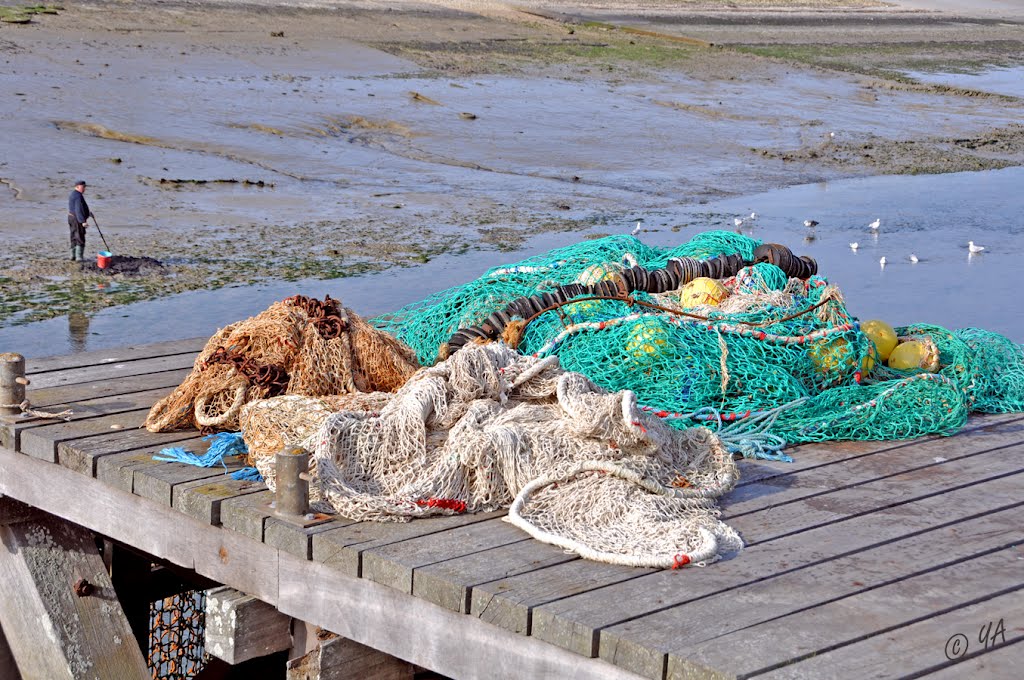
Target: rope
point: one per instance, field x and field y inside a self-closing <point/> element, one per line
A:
<point x="26" y="408"/>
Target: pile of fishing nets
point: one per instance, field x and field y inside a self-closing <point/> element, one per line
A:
<point x="490" y="428"/>
<point x="722" y="331"/>
<point x="299" y="346"/>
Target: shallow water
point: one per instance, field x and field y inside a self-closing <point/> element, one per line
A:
<point x="932" y="216"/>
<point x="1007" y="80"/>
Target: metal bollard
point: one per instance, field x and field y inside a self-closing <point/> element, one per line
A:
<point x="292" y="495"/>
<point x="12" y="383"/>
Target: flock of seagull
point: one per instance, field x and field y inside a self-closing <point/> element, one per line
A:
<point x="972" y="247"/>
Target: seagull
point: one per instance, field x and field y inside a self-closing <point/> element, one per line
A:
<point x="877" y="223"/>
<point x="753" y="215"/>
<point x="882" y="261"/>
<point x="973" y="248"/>
<point x="810" y="223"/>
<point x="738" y="222"/>
<point x="854" y="246"/>
<point x="913" y="258"/>
<point x="636" y="230"/>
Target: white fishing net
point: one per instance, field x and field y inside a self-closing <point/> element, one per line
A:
<point x="489" y="428"/>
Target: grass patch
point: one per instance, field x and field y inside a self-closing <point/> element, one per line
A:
<point x="890" y="60"/>
<point x="603" y="47"/>
<point x="103" y="132"/>
<point x="24" y="13"/>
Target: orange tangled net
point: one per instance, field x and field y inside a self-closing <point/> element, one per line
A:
<point x="299" y="346"/>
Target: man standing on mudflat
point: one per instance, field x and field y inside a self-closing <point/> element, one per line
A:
<point x="78" y="213"/>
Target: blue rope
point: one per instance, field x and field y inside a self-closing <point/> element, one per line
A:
<point x="247" y="474"/>
<point x="223" y="444"/>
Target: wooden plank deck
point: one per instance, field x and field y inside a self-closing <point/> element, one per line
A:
<point x="862" y="557"/>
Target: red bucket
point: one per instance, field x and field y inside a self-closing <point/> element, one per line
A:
<point x="103" y="259"/>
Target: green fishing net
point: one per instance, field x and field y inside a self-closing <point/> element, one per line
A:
<point x="763" y="359"/>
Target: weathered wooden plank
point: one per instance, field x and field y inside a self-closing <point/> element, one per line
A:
<point x="48" y="398"/>
<point x="879" y="465"/>
<point x="42" y="442"/>
<point x="575" y="622"/>
<point x="118" y="469"/>
<point x="451" y="644"/>
<point x="1004" y="660"/>
<point x="83" y="455"/>
<point x="86" y="633"/>
<point x="70" y="376"/>
<point x="202" y="499"/>
<point x="158" y="482"/>
<point x="779" y="520"/>
<point x="240" y="627"/>
<point x="509" y="602"/>
<point x="298" y="540"/>
<point x="643" y="643"/>
<point x="223" y="556"/>
<point x="394" y="564"/>
<point x="343" y="548"/>
<point x="813" y="456"/>
<point x="115" y="355"/>
<point x="10" y="433"/>
<point x="247" y="514"/>
<point x="921" y="645"/>
<point x="450" y="583"/>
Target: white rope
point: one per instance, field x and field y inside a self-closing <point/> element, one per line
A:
<point x="26" y="408"/>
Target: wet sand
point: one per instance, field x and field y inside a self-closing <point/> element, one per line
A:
<point x="244" y="143"/>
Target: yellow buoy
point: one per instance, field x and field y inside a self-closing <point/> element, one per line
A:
<point x="868" y="362"/>
<point x="833" y="359"/>
<point x="702" y="291"/>
<point x="912" y="354"/>
<point x="647" y="340"/>
<point x="596" y="273"/>
<point x="882" y="334"/>
<point x="583" y="309"/>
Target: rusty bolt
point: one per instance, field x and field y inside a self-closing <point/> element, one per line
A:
<point x="83" y="588"/>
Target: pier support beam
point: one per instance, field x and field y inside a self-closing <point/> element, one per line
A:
<point x="240" y="627"/>
<point x="338" y="658"/>
<point x="59" y="612"/>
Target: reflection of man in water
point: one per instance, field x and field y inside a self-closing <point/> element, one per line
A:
<point x="78" y="331"/>
<point x="78" y="213"/>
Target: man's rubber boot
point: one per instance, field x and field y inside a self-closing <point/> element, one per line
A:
<point x="74" y="252"/>
<point x="80" y="253"/>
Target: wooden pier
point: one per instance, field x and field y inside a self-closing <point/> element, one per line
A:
<point x="863" y="559"/>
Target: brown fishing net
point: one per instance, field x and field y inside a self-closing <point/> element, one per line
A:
<point x="299" y="346"/>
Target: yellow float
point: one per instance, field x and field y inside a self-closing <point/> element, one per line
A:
<point x="914" y="354"/>
<point x="867" y="364"/>
<point x="596" y="273"/>
<point x="702" y="291"/>
<point x="647" y="340"/>
<point x="882" y="334"/>
<point x="833" y="359"/>
<point x="582" y="310"/>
